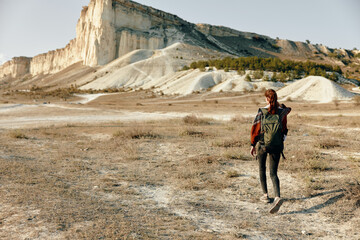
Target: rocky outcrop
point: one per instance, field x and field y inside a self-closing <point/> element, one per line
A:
<point x="16" y="67"/>
<point x="301" y="49"/>
<point x="54" y="61"/>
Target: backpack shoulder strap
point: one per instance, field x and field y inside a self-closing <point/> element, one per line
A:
<point x="264" y="111"/>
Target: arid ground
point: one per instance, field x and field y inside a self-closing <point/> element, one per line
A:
<point x="143" y="166"/>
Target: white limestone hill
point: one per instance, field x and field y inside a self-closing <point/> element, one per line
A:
<point x="147" y="68"/>
<point x="315" y="88"/>
<point x="159" y="70"/>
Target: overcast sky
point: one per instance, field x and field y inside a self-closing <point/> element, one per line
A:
<point x="31" y="27"/>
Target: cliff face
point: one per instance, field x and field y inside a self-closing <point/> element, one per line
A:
<point x="106" y="30"/>
<point x="16" y="67"/>
<point x="109" y="29"/>
<point x="54" y="61"/>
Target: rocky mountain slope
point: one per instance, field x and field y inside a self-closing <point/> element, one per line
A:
<point x="110" y="29"/>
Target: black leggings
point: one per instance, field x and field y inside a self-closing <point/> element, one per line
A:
<point x="274" y="164"/>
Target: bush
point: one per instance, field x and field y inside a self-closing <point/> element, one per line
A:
<point x="241" y="72"/>
<point x="258" y="74"/>
<point x="185" y="68"/>
<point x="274" y="77"/>
<point x="248" y="78"/>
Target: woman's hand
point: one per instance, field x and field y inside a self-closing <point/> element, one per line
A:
<point x="253" y="151"/>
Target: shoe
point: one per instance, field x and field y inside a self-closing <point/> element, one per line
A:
<point x="277" y="204"/>
<point x="265" y="199"/>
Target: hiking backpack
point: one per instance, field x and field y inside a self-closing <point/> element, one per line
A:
<point x="271" y="131"/>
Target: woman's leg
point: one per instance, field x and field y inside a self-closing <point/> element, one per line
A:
<point x="274" y="164"/>
<point x="261" y="155"/>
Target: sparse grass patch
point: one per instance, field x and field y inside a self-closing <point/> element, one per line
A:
<point x="240" y="119"/>
<point x="194" y="120"/>
<point x="18" y="134"/>
<point x="317" y="164"/>
<point x="204" y="159"/>
<point x="191" y="132"/>
<point x="137" y="133"/>
<point x="327" y="143"/>
<point x="232" y="174"/>
<point x="357" y="100"/>
<point x="352" y="193"/>
<point x="311" y="185"/>
<point x="228" y="143"/>
<point x="129" y="151"/>
<point x="236" y="154"/>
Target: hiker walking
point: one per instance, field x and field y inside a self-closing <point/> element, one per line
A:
<point x="269" y="130"/>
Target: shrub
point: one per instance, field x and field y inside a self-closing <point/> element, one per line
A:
<point x="274" y="77"/>
<point x="258" y="74"/>
<point x="185" y="68"/>
<point x="241" y="72"/>
<point x="248" y="78"/>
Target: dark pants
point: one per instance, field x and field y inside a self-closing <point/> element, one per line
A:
<point x="274" y="159"/>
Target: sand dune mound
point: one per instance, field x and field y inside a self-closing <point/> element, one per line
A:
<point x="315" y="88"/>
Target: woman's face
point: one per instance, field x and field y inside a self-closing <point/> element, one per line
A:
<point x="267" y="100"/>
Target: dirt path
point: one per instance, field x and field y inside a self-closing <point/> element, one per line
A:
<point x="22" y="115"/>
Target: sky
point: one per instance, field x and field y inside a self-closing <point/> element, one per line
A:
<point x="31" y="27"/>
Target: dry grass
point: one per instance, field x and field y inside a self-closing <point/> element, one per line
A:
<point x="327" y="143"/>
<point x="232" y="174"/>
<point x="137" y="132"/>
<point x="352" y="193"/>
<point x="194" y="120"/>
<point x="357" y="100"/>
<point x="161" y="180"/>
<point x="191" y="132"/>
<point x="18" y="134"/>
<point x="236" y="154"/>
<point x="229" y="142"/>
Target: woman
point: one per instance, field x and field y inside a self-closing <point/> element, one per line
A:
<point x="270" y="129"/>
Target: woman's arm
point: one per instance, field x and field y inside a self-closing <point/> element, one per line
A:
<point x="255" y="129"/>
